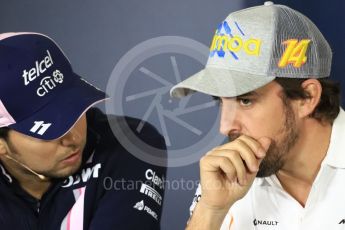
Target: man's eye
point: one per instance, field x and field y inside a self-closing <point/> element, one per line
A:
<point x="245" y="101"/>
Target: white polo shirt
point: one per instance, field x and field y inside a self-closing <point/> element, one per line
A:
<point x="267" y="206"/>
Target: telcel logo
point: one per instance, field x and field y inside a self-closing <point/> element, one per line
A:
<point x="40" y="68"/>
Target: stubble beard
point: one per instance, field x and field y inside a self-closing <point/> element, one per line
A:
<point x="279" y="148"/>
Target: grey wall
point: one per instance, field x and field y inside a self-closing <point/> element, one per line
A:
<point x="96" y="34"/>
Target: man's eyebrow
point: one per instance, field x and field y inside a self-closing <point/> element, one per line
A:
<point x="249" y="94"/>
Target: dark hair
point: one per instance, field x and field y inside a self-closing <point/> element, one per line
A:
<point x="328" y="107"/>
<point x="4" y="132"/>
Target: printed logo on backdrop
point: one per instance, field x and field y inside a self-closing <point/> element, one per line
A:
<point x="139" y="87"/>
<point x="47" y="83"/>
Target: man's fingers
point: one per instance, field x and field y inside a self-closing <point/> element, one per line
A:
<point x="248" y="155"/>
<point x="242" y="172"/>
<point x="245" y="153"/>
<point x="238" y="160"/>
<point x="259" y="147"/>
<point x="255" y="145"/>
<point x="238" y="164"/>
<point x="212" y="163"/>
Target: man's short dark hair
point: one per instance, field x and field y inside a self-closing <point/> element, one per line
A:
<point x="329" y="105"/>
<point x="4" y="132"/>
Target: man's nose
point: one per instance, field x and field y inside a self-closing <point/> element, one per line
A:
<point x="71" y="138"/>
<point x="230" y="123"/>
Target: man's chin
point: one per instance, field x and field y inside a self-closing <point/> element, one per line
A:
<point x="264" y="174"/>
<point x="63" y="173"/>
<point x="266" y="170"/>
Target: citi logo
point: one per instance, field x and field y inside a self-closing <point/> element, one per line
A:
<point x="48" y="83"/>
<point x="265" y="222"/>
<point x="40" y="68"/>
<point x="342" y="221"/>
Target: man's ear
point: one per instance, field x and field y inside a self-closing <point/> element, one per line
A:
<point x="313" y="89"/>
<point x="3" y="147"/>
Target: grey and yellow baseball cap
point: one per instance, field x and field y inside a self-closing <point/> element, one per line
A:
<point x="253" y="46"/>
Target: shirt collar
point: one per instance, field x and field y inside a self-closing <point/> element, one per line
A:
<point x="5" y="174"/>
<point x="335" y="156"/>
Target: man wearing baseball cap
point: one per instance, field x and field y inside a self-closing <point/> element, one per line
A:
<point x="60" y="164"/>
<point x="283" y="167"/>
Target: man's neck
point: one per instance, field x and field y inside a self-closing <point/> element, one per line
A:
<point x="34" y="186"/>
<point x="304" y="160"/>
<point x="31" y="183"/>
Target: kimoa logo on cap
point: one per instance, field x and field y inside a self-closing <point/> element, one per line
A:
<point x="227" y="41"/>
<point x="40" y="68"/>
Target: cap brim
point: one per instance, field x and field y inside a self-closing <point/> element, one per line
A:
<point x="59" y="115"/>
<point x="220" y="82"/>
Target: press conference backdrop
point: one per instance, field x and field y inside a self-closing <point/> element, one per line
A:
<point x="137" y="49"/>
